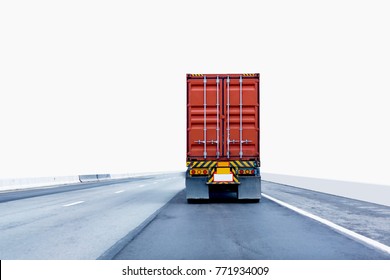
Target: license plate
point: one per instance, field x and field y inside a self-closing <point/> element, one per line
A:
<point x="223" y="178"/>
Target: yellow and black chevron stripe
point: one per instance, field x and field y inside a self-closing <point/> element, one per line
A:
<point x="249" y="75"/>
<point x="243" y="164"/>
<point x="212" y="164"/>
<point x="196" y="75"/>
<point x="223" y="183"/>
<point x="202" y="164"/>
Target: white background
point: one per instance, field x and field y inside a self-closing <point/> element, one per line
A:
<point x="99" y="86"/>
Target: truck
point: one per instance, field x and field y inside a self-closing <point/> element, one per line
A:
<point x="223" y="136"/>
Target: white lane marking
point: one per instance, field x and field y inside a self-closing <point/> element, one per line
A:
<point x="121" y="191"/>
<point x="140" y="186"/>
<point x="74" y="203"/>
<point x="361" y="238"/>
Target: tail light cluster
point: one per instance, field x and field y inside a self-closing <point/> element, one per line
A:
<point x="246" y="171"/>
<point x="205" y="171"/>
<point x="199" y="171"/>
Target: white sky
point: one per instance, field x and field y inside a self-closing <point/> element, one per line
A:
<point x="99" y="86"/>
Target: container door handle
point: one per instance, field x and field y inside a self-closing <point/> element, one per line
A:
<point x="241" y="116"/>
<point x="217" y="129"/>
<point x="204" y="118"/>
<point x="228" y="117"/>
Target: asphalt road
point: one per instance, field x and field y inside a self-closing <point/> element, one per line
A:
<point x="149" y="218"/>
<point x="79" y="221"/>
<point x="228" y="230"/>
<point x="6" y="196"/>
<point x="365" y="218"/>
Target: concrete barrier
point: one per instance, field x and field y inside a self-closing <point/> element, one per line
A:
<point x="88" y="178"/>
<point x="25" y="183"/>
<point x="103" y="177"/>
<point x="379" y="194"/>
<point x="94" y="178"/>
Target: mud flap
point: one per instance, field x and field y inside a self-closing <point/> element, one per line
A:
<point x="249" y="188"/>
<point x="196" y="188"/>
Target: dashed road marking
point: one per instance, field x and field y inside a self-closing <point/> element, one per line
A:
<point x="73" y="203"/>
<point x="358" y="237"/>
<point x="121" y="191"/>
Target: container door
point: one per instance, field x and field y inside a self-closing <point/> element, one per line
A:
<point x="241" y="122"/>
<point x="204" y="103"/>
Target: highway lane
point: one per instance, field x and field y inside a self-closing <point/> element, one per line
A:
<point x="368" y="219"/>
<point x="98" y="220"/>
<point x="10" y="195"/>
<point x="226" y="230"/>
<point x="82" y="223"/>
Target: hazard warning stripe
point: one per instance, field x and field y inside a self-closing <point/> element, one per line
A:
<point x="212" y="163"/>
<point x="240" y="163"/>
<point x="223" y="183"/>
<point x="204" y="164"/>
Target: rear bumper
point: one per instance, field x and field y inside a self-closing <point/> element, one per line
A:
<point x="249" y="187"/>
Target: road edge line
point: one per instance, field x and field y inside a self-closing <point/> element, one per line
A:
<point x="349" y="233"/>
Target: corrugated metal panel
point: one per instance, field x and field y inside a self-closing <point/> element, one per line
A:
<point x="218" y="127"/>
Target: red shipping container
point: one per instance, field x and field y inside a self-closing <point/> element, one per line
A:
<point x="223" y="121"/>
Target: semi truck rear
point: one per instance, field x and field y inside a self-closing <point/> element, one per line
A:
<point x="223" y="136"/>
